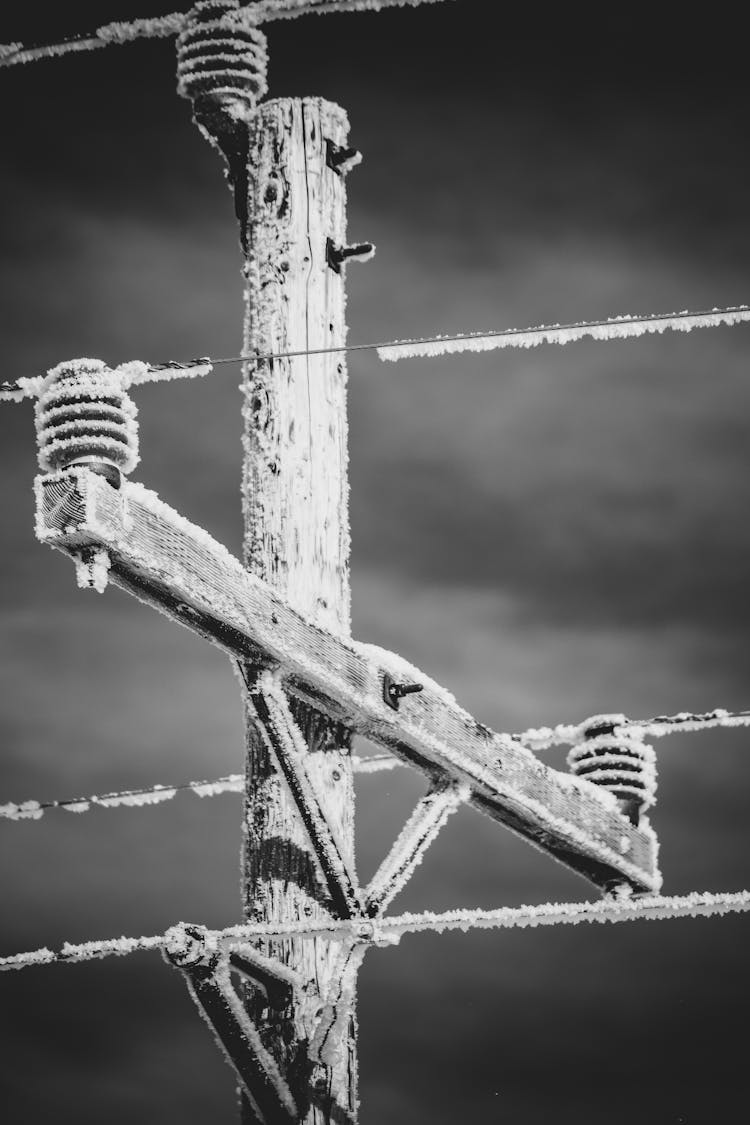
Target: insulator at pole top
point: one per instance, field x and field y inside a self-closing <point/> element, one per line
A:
<point x="222" y="58"/>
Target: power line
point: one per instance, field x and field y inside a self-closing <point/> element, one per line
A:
<point x="390" y="930"/>
<point x="541" y="738"/>
<point x="684" y="722"/>
<point x="613" y="328"/>
<point x="122" y="32"/>
<point x="158" y="794"/>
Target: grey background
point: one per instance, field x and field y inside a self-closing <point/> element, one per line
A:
<point x="552" y="534"/>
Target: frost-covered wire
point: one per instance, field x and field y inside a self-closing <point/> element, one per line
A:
<point x="616" y="328"/>
<point x="567" y="734"/>
<point x="157" y="794"/>
<point x="161" y="27"/>
<point x="389" y="930"/>
<point x="109" y="35"/>
<point x="535" y="738"/>
<point x="126" y="798"/>
<point x="291" y="9"/>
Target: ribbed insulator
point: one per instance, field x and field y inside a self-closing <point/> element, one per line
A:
<point x="83" y="415"/>
<point x="621" y="763"/>
<point x="222" y="58"/>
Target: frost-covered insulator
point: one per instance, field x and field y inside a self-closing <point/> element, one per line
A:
<point x="622" y="763"/>
<point x="222" y="57"/>
<point x="84" y="416"/>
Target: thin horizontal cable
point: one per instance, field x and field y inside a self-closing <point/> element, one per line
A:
<point x="109" y="35"/>
<point x="616" y="328"/>
<point x="161" y="27"/>
<point x="291" y="9"/>
<point x="389" y="930"/>
<point x="535" y="738"/>
<point x="566" y="734"/>
<point x="85" y="951"/>
<point x="157" y="794"/>
<point x="128" y="798"/>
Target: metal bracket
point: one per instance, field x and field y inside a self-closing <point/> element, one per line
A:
<point x="341" y="160"/>
<point x="194" y="950"/>
<point x="394" y="692"/>
<point x="337" y="256"/>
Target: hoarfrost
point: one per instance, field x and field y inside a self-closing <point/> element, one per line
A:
<point x="92" y="571"/>
<point x="110" y="34"/>
<point x="134" y="800"/>
<point x="165" y="373"/>
<point x="420" y="831"/>
<point x="27" y="810"/>
<point x="617" y="328"/>
<point x="233" y="784"/>
<point x="375" y="763"/>
<point x="542" y="738"/>
<point x="402" y="670"/>
<point x="291" y="9"/>
<point x="620" y="907"/>
<point x="125" y="32"/>
<point x="129" y="798"/>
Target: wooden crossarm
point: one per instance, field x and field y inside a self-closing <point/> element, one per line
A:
<point x="177" y="567"/>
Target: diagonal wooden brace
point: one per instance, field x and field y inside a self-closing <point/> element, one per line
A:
<point x="421" y="829"/>
<point x="192" y="950"/>
<point x="285" y="739"/>
<point x="277" y="981"/>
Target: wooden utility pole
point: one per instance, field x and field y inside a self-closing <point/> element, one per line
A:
<point x="286" y="161"/>
<point x="283" y="615"/>
<point x="295" y="496"/>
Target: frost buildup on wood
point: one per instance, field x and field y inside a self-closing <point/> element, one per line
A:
<point x="295" y="495"/>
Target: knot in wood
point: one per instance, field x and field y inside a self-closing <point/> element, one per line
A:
<point x="222" y="58"/>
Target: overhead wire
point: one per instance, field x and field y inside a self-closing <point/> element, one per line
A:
<point x="160" y="27"/>
<point x="158" y="794"/>
<point x="612" y="328"/>
<point x="389" y="930"/>
<point x="541" y="738"/>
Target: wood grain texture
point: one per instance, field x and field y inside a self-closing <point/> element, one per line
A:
<point x="168" y="563"/>
<point x="299" y="808"/>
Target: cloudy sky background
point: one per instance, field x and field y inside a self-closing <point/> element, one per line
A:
<point x="552" y="534"/>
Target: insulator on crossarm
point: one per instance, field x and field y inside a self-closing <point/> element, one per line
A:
<point x="621" y="763"/>
<point x="222" y="59"/>
<point x="85" y="417"/>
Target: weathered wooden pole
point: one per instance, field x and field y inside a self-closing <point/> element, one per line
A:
<point x="286" y="161"/>
<point x="295" y="496"/>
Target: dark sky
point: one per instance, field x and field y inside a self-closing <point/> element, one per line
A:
<point x="551" y="534"/>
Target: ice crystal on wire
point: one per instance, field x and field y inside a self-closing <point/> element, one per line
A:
<point x="618" y="328"/>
